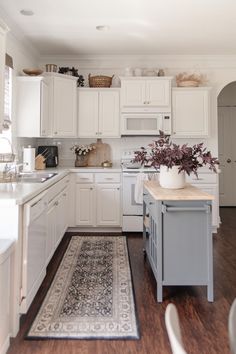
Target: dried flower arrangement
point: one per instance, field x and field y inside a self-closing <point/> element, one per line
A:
<point x="190" y="80"/>
<point x="82" y="149"/>
<point x="165" y="152"/>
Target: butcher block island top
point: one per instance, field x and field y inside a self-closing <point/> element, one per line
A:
<point x="188" y="193"/>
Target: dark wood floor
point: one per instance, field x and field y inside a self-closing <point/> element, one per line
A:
<point x="204" y="324"/>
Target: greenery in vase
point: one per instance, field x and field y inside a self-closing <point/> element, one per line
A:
<point x="82" y="149"/>
<point x="164" y="152"/>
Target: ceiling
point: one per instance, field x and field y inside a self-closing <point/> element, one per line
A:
<point x="136" y="26"/>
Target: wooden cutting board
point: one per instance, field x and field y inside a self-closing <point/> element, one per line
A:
<point x="101" y="153"/>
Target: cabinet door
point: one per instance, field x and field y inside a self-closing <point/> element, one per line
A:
<point x="85" y="208"/>
<point x="51" y="231"/>
<point x="87" y="113"/>
<point x="45" y="118"/>
<point x="60" y="218"/>
<point x="158" y="93"/>
<point x="108" y="204"/>
<point x="190" y="112"/>
<point x="64" y="104"/>
<point x="109" y="116"/>
<point x="133" y="93"/>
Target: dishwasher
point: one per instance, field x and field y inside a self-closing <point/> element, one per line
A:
<point x="33" y="249"/>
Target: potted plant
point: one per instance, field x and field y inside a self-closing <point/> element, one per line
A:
<point x="82" y="153"/>
<point x="174" y="161"/>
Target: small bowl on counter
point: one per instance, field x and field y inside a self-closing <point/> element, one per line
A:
<point x="106" y="164"/>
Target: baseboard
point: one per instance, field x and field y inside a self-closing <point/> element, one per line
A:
<point x="94" y="229"/>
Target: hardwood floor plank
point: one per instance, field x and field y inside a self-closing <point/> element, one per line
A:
<point x="203" y="324"/>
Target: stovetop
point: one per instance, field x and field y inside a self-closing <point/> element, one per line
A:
<point x="128" y="166"/>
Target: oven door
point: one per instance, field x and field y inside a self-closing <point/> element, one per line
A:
<point x="130" y="207"/>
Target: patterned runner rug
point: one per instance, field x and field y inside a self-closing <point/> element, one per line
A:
<point x="91" y="295"/>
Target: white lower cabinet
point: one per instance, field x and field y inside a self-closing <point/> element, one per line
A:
<point x="108" y="205"/>
<point x="98" y="199"/>
<point x="57" y="220"/>
<point x="85" y="211"/>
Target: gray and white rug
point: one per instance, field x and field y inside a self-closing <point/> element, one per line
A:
<point x="91" y="295"/>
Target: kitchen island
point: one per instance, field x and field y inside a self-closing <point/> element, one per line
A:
<point x="178" y="236"/>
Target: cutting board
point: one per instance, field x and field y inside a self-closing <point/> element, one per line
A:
<point x="101" y="153"/>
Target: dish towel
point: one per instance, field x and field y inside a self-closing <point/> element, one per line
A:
<point x="138" y="188"/>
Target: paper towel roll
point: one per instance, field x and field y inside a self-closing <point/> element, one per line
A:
<point x="29" y="159"/>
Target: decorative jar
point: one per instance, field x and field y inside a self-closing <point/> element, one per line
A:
<point x="81" y="160"/>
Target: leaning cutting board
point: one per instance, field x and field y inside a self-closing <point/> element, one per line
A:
<point x="101" y="153"/>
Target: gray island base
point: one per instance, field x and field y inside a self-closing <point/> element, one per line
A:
<point x="178" y="236"/>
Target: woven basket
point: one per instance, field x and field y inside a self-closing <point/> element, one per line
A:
<point x="100" y="81"/>
<point x="188" y="83"/>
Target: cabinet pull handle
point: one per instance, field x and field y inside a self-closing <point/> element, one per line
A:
<point x="84" y="178"/>
<point x="150" y="203"/>
<point x="109" y="178"/>
<point x="166" y="209"/>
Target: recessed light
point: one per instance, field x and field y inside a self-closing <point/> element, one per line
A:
<point x="26" y="12"/>
<point x="102" y="28"/>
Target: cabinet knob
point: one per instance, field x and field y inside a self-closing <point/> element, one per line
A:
<point x="145" y="102"/>
<point x="91" y="188"/>
<point x="55" y="133"/>
<point x="228" y="160"/>
<point x="118" y="189"/>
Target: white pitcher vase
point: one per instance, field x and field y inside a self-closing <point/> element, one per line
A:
<point x="171" y="177"/>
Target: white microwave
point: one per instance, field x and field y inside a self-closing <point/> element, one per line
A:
<point x="145" y="123"/>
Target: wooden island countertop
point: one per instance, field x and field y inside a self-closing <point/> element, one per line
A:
<point x="188" y="193"/>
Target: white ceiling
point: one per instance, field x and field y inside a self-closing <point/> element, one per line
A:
<point x="67" y="27"/>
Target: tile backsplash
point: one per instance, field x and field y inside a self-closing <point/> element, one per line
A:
<point x="66" y="156"/>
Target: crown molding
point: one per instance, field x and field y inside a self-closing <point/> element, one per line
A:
<point x="121" y="61"/>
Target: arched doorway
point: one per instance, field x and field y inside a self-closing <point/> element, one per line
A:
<point x="226" y="103"/>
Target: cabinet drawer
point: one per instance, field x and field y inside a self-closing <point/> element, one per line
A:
<point x="84" y="177"/>
<point x="107" y="177"/>
<point x="202" y="178"/>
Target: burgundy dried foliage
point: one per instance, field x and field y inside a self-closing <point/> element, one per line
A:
<point x="165" y="152"/>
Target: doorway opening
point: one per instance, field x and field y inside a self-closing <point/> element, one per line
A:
<point x="226" y="103"/>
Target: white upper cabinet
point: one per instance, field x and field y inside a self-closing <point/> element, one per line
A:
<point x="191" y="112"/>
<point x="98" y="113"/>
<point x="3" y="30"/>
<point x="63" y="105"/>
<point x="32" y="110"/>
<point x="46" y="106"/>
<point x="152" y="93"/>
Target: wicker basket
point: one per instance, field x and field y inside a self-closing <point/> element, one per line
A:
<point x="100" y="81"/>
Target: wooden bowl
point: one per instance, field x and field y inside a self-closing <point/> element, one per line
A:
<point x="33" y="72"/>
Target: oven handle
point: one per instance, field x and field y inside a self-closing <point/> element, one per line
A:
<point x="132" y="174"/>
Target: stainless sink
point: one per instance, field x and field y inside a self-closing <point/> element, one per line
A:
<point x="35" y="177"/>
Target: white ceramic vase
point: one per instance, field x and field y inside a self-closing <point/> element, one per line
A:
<point x="171" y="178"/>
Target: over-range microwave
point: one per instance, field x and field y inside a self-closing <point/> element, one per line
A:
<point x="145" y="123"/>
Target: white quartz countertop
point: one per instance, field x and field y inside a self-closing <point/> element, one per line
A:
<point x="21" y="192"/>
<point x="188" y="193"/>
